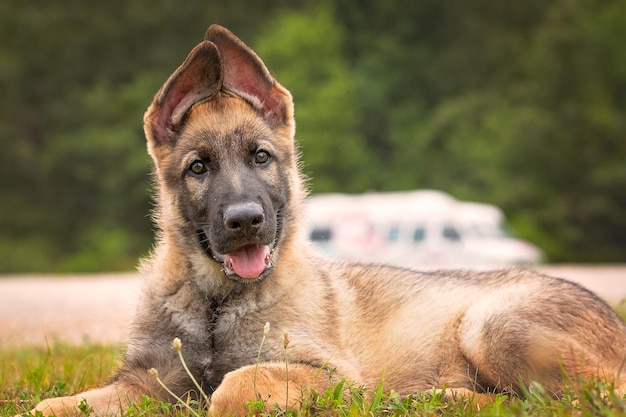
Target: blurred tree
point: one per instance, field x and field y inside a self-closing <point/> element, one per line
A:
<point x="513" y="104"/>
<point x="76" y="81"/>
<point x="573" y="154"/>
<point x="303" y="49"/>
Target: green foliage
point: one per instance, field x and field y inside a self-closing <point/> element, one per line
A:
<point x="304" y="51"/>
<point x="516" y="104"/>
<point x="76" y="81"/>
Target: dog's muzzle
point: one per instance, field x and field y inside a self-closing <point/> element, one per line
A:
<point x="244" y="223"/>
<point x="247" y="263"/>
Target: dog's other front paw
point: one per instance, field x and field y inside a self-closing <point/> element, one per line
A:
<point x="100" y="402"/>
<point x="59" y="407"/>
<point x="259" y="389"/>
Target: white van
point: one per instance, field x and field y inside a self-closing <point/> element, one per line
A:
<point x="417" y="229"/>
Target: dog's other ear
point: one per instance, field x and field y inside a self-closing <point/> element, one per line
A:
<point x="246" y="75"/>
<point x="197" y="79"/>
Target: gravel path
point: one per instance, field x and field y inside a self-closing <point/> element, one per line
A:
<point x="36" y="310"/>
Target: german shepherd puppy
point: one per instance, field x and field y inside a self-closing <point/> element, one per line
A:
<point x="232" y="256"/>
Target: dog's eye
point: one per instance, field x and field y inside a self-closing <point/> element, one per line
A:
<point x="197" y="167"/>
<point x="261" y="157"/>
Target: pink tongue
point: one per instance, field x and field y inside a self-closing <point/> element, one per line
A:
<point x="248" y="262"/>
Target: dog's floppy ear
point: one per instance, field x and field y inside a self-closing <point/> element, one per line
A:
<point x="197" y="79"/>
<point x="246" y="75"/>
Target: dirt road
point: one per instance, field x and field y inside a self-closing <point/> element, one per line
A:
<point x="35" y="310"/>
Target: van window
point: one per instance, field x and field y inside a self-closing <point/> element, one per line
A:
<point x="419" y="234"/>
<point x="450" y="233"/>
<point x="321" y="234"/>
<point x="394" y="233"/>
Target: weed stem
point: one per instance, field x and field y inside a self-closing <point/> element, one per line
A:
<point x="155" y="374"/>
<point x="177" y="345"/>
<point x="266" y="330"/>
<point x="285" y="344"/>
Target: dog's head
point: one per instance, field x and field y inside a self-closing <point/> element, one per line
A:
<point x="220" y="132"/>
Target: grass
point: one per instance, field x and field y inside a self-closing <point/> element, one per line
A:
<point x="28" y="375"/>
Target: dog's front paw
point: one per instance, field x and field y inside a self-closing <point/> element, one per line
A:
<point x="260" y="389"/>
<point x="232" y="397"/>
<point x="59" y="407"/>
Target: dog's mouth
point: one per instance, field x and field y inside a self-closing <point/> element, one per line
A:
<point x="247" y="263"/>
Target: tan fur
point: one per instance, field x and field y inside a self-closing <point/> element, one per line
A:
<point x="468" y="332"/>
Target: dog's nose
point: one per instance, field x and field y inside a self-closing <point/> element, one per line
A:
<point x="244" y="217"/>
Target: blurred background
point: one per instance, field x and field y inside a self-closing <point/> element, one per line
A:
<point x="518" y="106"/>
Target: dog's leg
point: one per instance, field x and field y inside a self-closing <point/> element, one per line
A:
<point x="110" y="400"/>
<point x="270" y="383"/>
<point x="131" y="383"/>
<point x="511" y="350"/>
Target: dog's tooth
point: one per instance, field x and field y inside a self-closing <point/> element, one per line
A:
<point x="228" y="265"/>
